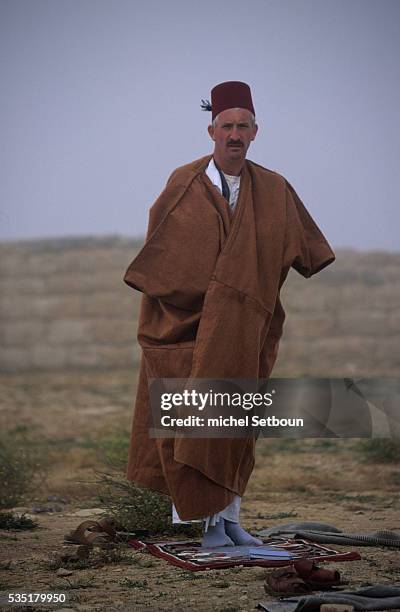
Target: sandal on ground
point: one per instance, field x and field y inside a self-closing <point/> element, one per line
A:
<point x="315" y="576"/>
<point x="285" y="583"/>
<point x="116" y="530"/>
<point x="88" y="533"/>
<point x="106" y="525"/>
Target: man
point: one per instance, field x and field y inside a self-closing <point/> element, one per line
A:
<point x="222" y="237"/>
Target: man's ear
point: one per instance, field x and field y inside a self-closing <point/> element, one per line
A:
<point x="211" y="131"/>
<point x="255" y="131"/>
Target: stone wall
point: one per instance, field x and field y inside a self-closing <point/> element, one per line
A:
<point x="344" y="321"/>
<point x="63" y="304"/>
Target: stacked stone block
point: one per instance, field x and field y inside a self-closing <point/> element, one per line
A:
<point x="63" y="304"/>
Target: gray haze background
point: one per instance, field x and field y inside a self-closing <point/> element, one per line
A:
<point x="100" y="100"/>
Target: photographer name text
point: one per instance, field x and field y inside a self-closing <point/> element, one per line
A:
<point x="230" y="421"/>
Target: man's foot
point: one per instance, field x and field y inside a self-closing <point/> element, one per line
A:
<point x="239" y="536"/>
<point x="216" y="536"/>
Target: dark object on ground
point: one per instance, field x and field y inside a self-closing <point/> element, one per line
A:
<point x="377" y="597"/>
<point x="336" y="608"/>
<point x="39" y="509"/>
<point x="327" y="534"/>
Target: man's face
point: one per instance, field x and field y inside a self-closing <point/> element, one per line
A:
<point x="232" y="134"/>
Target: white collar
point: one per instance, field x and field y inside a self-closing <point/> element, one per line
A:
<point x="213" y="174"/>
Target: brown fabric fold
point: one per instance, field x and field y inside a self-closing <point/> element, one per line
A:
<point x="211" y="309"/>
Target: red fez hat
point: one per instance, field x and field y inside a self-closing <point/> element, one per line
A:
<point x="231" y="94"/>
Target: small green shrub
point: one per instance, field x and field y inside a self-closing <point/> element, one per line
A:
<point x="132" y="506"/>
<point x="379" y="450"/>
<point x="79" y="583"/>
<point x="395" y="478"/>
<point x="21" y="463"/>
<point x="139" y="508"/>
<point x="8" y="520"/>
<point x="113" y="449"/>
<point x="134" y="584"/>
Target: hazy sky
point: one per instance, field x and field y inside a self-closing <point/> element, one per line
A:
<point x="100" y="101"/>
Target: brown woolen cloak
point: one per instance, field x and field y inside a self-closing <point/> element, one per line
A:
<point x="211" y="309"/>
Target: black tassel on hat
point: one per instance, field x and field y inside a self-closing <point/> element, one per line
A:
<point x="206" y="105"/>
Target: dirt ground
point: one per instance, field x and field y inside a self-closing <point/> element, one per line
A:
<point x="322" y="480"/>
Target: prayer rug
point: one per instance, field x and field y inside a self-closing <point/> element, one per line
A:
<point x="274" y="552"/>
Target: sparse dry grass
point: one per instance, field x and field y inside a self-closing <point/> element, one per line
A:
<point x="323" y="480"/>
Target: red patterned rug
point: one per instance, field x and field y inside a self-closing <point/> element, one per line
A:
<point x="275" y="552"/>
